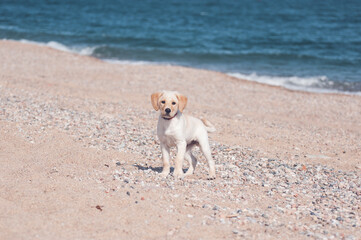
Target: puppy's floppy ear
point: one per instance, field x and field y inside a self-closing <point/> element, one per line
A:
<point x="154" y="98"/>
<point x="182" y="101"/>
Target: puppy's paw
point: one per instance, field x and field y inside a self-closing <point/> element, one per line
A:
<point x="164" y="174"/>
<point x="211" y="177"/>
<point x="189" y="172"/>
<point x="178" y="174"/>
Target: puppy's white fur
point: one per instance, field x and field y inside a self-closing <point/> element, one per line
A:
<point x="184" y="132"/>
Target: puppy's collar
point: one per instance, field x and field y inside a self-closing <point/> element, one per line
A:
<point x="171" y="117"/>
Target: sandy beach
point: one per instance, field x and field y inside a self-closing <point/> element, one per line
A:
<point x="80" y="157"/>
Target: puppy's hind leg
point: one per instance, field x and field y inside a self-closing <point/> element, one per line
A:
<point x="204" y="145"/>
<point x="192" y="161"/>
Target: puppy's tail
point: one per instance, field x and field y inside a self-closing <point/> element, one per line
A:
<point x="209" y="126"/>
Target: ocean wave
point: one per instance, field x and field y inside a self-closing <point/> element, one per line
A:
<point x="7" y="27"/>
<point x="88" y="51"/>
<point x="319" y="84"/>
<point x="127" y="62"/>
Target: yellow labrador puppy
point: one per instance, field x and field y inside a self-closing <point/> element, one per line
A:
<point x="176" y="129"/>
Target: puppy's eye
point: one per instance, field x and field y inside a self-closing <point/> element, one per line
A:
<point x="163" y="102"/>
<point x="173" y="103"/>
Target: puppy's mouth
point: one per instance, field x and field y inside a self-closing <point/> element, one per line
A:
<point x="168" y="115"/>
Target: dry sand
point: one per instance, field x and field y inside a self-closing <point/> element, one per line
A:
<point x="80" y="159"/>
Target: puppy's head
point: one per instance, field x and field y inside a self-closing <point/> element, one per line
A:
<point x="168" y="102"/>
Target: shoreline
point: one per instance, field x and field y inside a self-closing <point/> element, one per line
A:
<point x="81" y="159"/>
<point x="86" y="51"/>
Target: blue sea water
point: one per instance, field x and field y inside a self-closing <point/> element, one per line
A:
<point x="309" y="45"/>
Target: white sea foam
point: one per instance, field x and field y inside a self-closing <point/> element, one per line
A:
<point x="128" y="62"/>
<point x="56" y="45"/>
<point x="88" y="51"/>
<point x="309" y="84"/>
<point x="292" y="81"/>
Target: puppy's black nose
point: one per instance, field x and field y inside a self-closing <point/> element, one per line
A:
<point x="167" y="110"/>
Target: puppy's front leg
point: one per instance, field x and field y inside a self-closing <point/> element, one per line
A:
<point x="181" y="149"/>
<point x="204" y="144"/>
<point x="165" y="155"/>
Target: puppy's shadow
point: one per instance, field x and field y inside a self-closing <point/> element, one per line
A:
<point x="154" y="169"/>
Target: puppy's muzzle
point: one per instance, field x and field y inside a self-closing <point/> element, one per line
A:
<point x="167" y="110"/>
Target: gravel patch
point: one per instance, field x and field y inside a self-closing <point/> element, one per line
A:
<point x="310" y="200"/>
